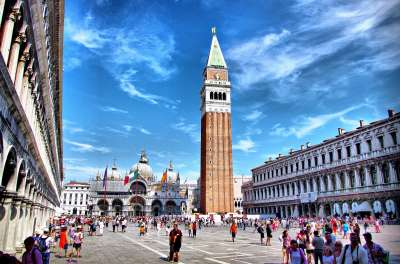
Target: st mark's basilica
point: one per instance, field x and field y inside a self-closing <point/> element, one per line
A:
<point x="138" y="193"/>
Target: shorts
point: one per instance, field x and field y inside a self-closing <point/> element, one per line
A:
<point x="262" y="235"/>
<point x="77" y="245"/>
<point x="65" y="246"/>
<point x="233" y="235"/>
<point x="309" y="251"/>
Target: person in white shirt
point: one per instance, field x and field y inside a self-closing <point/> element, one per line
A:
<point x="354" y="252"/>
<point x="101" y="227"/>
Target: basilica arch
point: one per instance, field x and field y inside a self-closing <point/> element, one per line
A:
<point x="137" y="204"/>
<point x="117" y="206"/>
<point x="156" y="208"/>
<point x="138" y="187"/>
<point x="170" y="207"/>
<point x="103" y="206"/>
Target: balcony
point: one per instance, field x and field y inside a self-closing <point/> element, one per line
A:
<point x="364" y="189"/>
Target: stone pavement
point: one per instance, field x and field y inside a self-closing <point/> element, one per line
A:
<point x="212" y="245"/>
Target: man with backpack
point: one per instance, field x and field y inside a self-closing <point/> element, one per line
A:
<point x="44" y="242"/>
<point x="353" y="252"/>
<point x="32" y="254"/>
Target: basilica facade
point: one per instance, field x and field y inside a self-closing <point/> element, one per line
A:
<point x="138" y="193"/>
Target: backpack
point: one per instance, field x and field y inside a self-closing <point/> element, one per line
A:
<point x="42" y="244"/>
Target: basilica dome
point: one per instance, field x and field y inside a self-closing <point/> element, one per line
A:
<point x="143" y="168"/>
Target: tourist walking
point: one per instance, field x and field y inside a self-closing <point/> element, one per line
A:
<point x="101" y="227"/>
<point x="78" y="240"/>
<point x="337" y="251"/>
<point x="328" y="257"/>
<point x="32" y="254"/>
<point x="318" y="244"/>
<point x="233" y="230"/>
<point x="295" y="254"/>
<point x="260" y="230"/>
<point x="63" y="244"/>
<point x="45" y="242"/>
<point x="374" y="250"/>
<point x="194" y="229"/>
<point x="285" y="239"/>
<point x="269" y="234"/>
<point x="113" y="223"/>
<point x="175" y="243"/>
<point x="353" y="252"/>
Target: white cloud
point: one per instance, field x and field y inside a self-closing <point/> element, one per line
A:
<point x="245" y="145"/>
<point x="282" y="57"/>
<point x="254" y="116"/>
<point x="113" y="109"/>
<point x="83" y="147"/>
<point x="306" y="125"/>
<point x="144" y="131"/>
<point x="128" y="128"/>
<point x="71" y="63"/>
<point x="187" y="128"/>
<point x="116" y="131"/>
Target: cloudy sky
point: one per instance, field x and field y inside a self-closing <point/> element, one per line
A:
<point x="299" y="70"/>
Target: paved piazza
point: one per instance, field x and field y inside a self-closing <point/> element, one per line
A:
<point x="212" y="245"/>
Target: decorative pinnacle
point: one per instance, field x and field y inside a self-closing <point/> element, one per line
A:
<point x="214" y="30"/>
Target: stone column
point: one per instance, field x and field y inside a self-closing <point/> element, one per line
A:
<point x="296" y="191"/>
<point x="368" y="181"/>
<point x="330" y="183"/>
<point x="19" y="75"/>
<point x="321" y="182"/>
<point x="301" y="186"/>
<point x="392" y="172"/>
<point x="379" y="174"/>
<point x="14" y="55"/>
<point x="12" y="225"/>
<point x="338" y="186"/>
<point x="7" y="33"/>
<point x="28" y="220"/>
<point x="20" y="226"/>
<point x="314" y="183"/>
<point x="308" y="185"/>
<point x="4" y="223"/>
<point x="356" y="178"/>
<point x="286" y="211"/>
<point x="346" y="180"/>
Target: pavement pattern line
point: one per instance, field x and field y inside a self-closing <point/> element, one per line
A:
<point x="217" y="261"/>
<point x="147" y="247"/>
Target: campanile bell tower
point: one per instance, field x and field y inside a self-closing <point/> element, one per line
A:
<point x="216" y="180"/>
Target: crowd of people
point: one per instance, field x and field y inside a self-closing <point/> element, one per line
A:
<point x="316" y="240"/>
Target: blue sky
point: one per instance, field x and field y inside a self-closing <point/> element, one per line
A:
<point x="299" y="70"/>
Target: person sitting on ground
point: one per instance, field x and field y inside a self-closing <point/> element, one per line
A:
<point x="32" y="254"/>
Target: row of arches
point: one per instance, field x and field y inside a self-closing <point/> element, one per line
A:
<point x="218" y="96"/>
<point x="137" y="206"/>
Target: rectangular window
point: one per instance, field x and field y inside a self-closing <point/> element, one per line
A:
<point x="309" y="163"/>
<point x="286" y="169"/>
<point x="316" y="161"/>
<point x="276" y="172"/>
<point x="297" y="166"/>
<point x="358" y="148"/>
<point x="302" y="165"/>
<point x="339" y="154"/>
<point x="281" y="171"/>
<point x="291" y="167"/>
<point x="348" y="151"/>
<point x="394" y="137"/>
<point x="330" y="157"/>
<point x="272" y="173"/>
<point x="369" y="144"/>
<point x="323" y="158"/>
<point x="268" y="175"/>
<point x="381" y="143"/>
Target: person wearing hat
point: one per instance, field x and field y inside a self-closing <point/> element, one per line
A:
<point x="374" y="250"/>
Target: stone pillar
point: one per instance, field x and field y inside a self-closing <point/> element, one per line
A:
<point x="28" y="220"/>
<point x="19" y="75"/>
<point x="392" y="172"/>
<point x="379" y="174"/>
<point x="338" y="186"/>
<point x="330" y="183"/>
<point x="321" y="211"/>
<point x="286" y="211"/>
<point x="368" y="181"/>
<point x="21" y="224"/>
<point x="356" y="178"/>
<point x="301" y="187"/>
<point x="9" y="239"/>
<point x="321" y="181"/>
<point x="308" y="185"/>
<point x="346" y="180"/>
<point x="6" y="203"/>
<point x="2" y="2"/>
<point x="7" y="33"/>
<point x="296" y="191"/>
<point x="314" y="183"/>
<point x="14" y="55"/>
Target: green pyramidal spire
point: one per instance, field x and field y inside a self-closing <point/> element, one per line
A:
<point x="215" y="58"/>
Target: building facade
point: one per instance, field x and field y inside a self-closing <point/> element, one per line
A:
<point x="75" y="198"/>
<point x="356" y="173"/>
<point x="31" y="167"/>
<point x="140" y="195"/>
<point x="216" y="174"/>
<point x="237" y="193"/>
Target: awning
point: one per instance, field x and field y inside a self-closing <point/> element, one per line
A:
<point x="364" y="207"/>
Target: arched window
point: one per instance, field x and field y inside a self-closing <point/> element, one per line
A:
<point x="220" y="96"/>
<point x="215" y="96"/>
<point x="211" y="95"/>
<point x="224" y="96"/>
